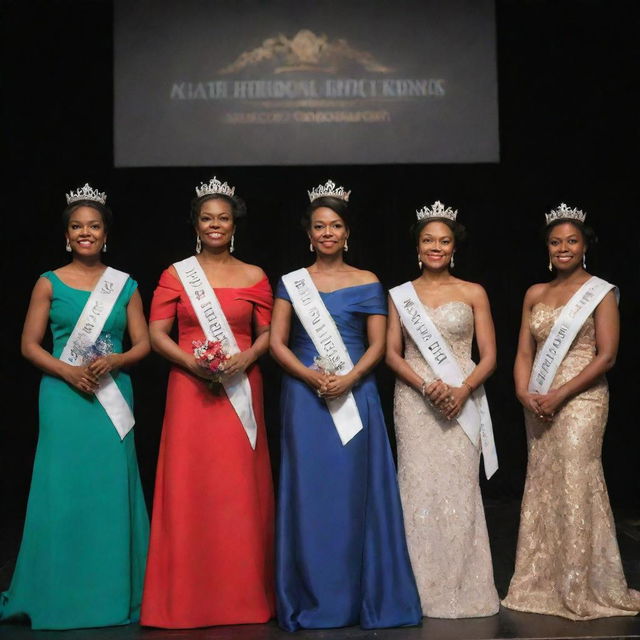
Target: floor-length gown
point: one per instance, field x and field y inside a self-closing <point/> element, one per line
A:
<point x="211" y="549"/>
<point x="568" y="562"/>
<point x="438" y="476"/>
<point x="81" y="561"/>
<point x="341" y="553"/>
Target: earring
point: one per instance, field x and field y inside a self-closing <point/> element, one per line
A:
<point x="232" y="245"/>
<point x="198" y="245"/>
<point x="584" y="260"/>
<point x="419" y="264"/>
<point x="104" y="248"/>
<point x="550" y="267"/>
<point x="452" y="263"/>
<point x="311" y="248"/>
<point x="68" y="247"/>
<point x="346" y="246"/>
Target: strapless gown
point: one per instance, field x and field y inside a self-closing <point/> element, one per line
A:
<point x="568" y="562"/>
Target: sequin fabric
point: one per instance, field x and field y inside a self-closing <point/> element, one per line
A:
<point x="568" y="562"/>
<point x="438" y="476"/>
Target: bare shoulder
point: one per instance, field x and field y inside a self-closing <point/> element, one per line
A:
<point x="252" y="272"/>
<point x="361" y="276"/>
<point x="473" y="291"/>
<point x="535" y="293"/>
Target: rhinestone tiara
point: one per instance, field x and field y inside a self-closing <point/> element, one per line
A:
<point x="86" y="193"/>
<point x="214" y="186"/>
<point x="563" y="212"/>
<point x="328" y="189"/>
<point x="437" y="210"/>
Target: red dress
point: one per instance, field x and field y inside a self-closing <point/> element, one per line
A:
<point x="211" y="549"/>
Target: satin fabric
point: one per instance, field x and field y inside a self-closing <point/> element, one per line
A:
<point x="341" y="555"/>
<point x="211" y="549"/>
<point x="81" y="561"/>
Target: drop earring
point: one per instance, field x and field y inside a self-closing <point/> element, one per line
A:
<point x="232" y="245"/>
<point x="419" y="264"/>
<point x="104" y="248"/>
<point x="346" y="246"/>
<point x="584" y="260"/>
<point x="198" y="245"/>
<point x="452" y="263"/>
<point x="311" y="248"/>
<point x="550" y="267"/>
<point x="68" y="247"/>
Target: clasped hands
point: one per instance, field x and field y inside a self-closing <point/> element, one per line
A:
<point x="449" y="400"/>
<point x="86" y="378"/>
<point x="543" y="405"/>
<point x="330" y="385"/>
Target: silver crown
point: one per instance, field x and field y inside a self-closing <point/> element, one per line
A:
<point x="328" y="189"/>
<point x="86" y="193"/>
<point x="563" y="212"/>
<point x="214" y="186"/>
<point x="437" y="210"/>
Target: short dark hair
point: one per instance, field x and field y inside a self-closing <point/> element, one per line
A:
<point x="102" y="209"/>
<point x="238" y="207"/>
<point x="338" y="205"/>
<point x="588" y="234"/>
<point x="459" y="231"/>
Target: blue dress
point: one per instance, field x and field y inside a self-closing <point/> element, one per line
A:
<point x="341" y="555"/>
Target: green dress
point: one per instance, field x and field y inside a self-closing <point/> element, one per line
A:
<point x="82" y="558"/>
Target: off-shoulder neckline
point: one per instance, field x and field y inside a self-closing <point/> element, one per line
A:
<point x="352" y="286"/>
<point x="251" y="286"/>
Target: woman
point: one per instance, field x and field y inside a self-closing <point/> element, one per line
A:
<point x="81" y="561"/>
<point x="211" y="550"/>
<point x="341" y="553"/>
<point x="568" y="562"/>
<point x="438" y="425"/>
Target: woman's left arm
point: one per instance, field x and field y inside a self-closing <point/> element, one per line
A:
<point x="376" y="335"/>
<point x="139" y="336"/>
<point x="242" y="360"/>
<point x="607" y="329"/>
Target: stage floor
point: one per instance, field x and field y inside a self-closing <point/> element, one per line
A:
<point x="502" y="520"/>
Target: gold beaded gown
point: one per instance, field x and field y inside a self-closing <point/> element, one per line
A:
<point x="568" y="562"/>
<point x="438" y="470"/>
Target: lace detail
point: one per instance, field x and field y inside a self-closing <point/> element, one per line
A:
<point x="568" y="563"/>
<point x="438" y="477"/>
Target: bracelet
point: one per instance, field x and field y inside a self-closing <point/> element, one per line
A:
<point x="466" y="384"/>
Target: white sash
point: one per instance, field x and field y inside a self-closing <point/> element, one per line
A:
<point x="86" y="332"/>
<point x="474" y="418"/>
<point x="215" y="326"/>
<point x="571" y="318"/>
<point x="321" y="328"/>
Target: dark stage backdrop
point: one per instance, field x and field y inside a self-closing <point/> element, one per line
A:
<point x="568" y="133"/>
<point x="290" y="82"/>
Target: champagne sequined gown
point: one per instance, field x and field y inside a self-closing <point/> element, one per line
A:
<point x="438" y="476"/>
<point x="568" y="562"/>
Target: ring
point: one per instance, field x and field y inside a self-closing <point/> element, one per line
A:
<point x="319" y="393"/>
<point x="540" y="415"/>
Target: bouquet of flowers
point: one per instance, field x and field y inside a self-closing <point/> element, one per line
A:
<point x="88" y="353"/>
<point x="211" y="355"/>
<point x="324" y="365"/>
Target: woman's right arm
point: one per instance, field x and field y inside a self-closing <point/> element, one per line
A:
<point x="278" y="346"/>
<point x="395" y="351"/>
<point x="526" y="354"/>
<point x="162" y="343"/>
<point x="35" y="326"/>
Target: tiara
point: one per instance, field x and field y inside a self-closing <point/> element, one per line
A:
<point x="214" y="186"/>
<point x="437" y="210"/>
<point x="563" y="212"/>
<point x="328" y="189"/>
<point x="86" y="193"/>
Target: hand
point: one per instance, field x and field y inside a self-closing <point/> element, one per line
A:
<point x="80" y="378"/>
<point x="453" y="402"/>
<point x="339" y="385"/>
<point x="237" y="363"/>
<point x="192" y="366"/>
<point x="105" y="364"/>
<point x="531" y="402"/>
<point x="318" y="381"/>
<point x="549" y="403"/>
<point x="436" y="392"/>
